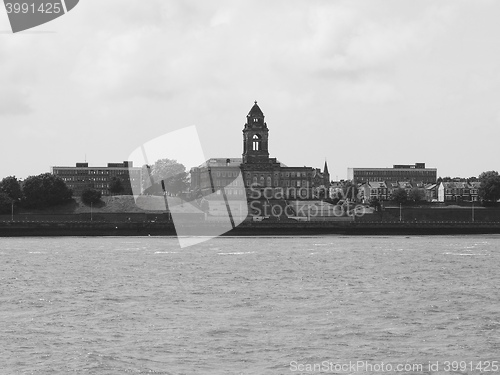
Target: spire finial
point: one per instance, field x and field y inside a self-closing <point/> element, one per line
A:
<point x="255" y="102"/>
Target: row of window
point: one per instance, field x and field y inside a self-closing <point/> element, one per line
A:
<point x="228" y="173"/>
<point x="285" y="183"/>
<point x="360" y="174"/>
<point x="73" y="172"/>
<point x="457" y="191"/>
<point x="227" y="183"/>
<point x="276" y="175"/>
<point x="283" y="174"/>
<point x="88" y="179"/>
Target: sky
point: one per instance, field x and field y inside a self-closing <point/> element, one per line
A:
<point x="357" y="83"/>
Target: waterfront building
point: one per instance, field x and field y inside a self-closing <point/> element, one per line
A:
<point x="82" y="176"/>
<point x="384" y="190"/>
<point x="258" y="169"/>
<point x="416" y="172"/>
<point x="373" y="189"/>
<point x="454" y="191"/>
<point x="431" y="192"/>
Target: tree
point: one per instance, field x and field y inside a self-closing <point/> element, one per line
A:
<point x="399" y="195"/>
<point x="115" y="185"/>
<point x="416" y="195"/>
<point x="91" y="196"/>
<point x="171" y="172"/>
<point x="489" y="188"/>
<point x="11" y="187"/>
<point x="350" y="191"/>
<point x="45" y="190"/>
<point x="375" y="203"/>
<point x="176" y="184"/>
<point x="5" y="203"/>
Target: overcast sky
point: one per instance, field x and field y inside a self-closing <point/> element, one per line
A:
<point x="360" y="83"/>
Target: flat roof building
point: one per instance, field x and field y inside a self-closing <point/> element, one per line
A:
<point x="82" y="176"/>
<point x="399" y="172"/>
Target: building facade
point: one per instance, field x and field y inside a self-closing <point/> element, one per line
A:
<point x="456" y="191"/>
<point x="259" y="171"/>
<point x="82" y="176"/>
<point x="417" y="172"/>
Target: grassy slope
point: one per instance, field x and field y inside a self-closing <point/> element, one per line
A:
<point x="115" y="204"/>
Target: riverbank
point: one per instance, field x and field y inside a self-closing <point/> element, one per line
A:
<point x="21" y="229"/>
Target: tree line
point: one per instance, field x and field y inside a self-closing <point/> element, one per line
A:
<point x="44" y="190"/>
<point x="165" y="176"/>
<point x="47" y="190"/>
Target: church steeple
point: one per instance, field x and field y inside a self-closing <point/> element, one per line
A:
<point x="326" y="175"/>
<point x="255" y="137"/>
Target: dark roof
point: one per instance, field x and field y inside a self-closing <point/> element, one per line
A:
<point x="255" y="111"/>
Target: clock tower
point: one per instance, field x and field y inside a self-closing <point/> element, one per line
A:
<point x="255" y="138"/>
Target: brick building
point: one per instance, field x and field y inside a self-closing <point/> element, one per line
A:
<point x="82" y="176"/>
<point x="417" y="172"/>
<point x="258" y="170"/>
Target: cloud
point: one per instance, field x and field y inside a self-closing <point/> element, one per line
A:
<point x="14" y="102"/>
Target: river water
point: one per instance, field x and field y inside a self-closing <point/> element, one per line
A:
<point x="260" y="305"/>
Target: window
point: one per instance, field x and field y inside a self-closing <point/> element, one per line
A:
<point x="257" y="143"/>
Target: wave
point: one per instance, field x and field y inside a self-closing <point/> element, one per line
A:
<point x="238" y="253"/>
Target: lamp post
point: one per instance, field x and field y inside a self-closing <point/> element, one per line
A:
<point x="472" y="211"/>
<point x="12" y="208"/>
<point x="91" y="211"/>
<point x="400" y="216"/>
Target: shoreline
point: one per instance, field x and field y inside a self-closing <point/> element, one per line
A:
<point x="52" y="229"/>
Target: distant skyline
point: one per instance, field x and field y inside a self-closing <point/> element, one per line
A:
<point x="359" y="83"/>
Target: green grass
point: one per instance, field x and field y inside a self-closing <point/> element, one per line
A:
<point x="109" y="204"/>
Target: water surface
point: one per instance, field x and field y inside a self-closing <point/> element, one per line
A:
<point x="256" y="305"/>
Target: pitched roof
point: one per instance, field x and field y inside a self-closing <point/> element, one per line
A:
<point x="255" y="111"/>
<point x="377" y="184"/>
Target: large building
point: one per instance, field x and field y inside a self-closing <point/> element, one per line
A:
<point x="456" y="191"/>
<point x="258" y="170"/>
<point x="82" y="176"/>
<point x="417" y="172"/>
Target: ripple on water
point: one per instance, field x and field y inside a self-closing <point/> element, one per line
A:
<point x="87" y="306"/>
